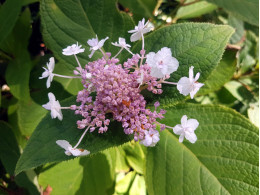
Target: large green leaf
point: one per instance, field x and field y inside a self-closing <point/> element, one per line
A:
<point x="79" y="176"/>
<point x="222" y="73"/>
<point x="67" y="22"/>
<point x="194" y="10"/>
<point x="8" y="15"/>
<point x="224" y="160"/>
<point x="42" y="147"/>
<point x="18" y="70"/>
<point x="28" y="115"/>
<point x="247" y="10"/>
<point x="9" y="154"/>
<point x="193" y="44"/>
<point x="140" y="8"/>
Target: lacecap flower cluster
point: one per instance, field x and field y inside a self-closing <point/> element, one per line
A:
<point x="117" y="89"/>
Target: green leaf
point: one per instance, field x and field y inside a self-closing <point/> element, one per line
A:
<point x="194" y="10"/>
<point x="247" y="10"/>
<point x="79" y="176"/>
<point x="9" y="150"/>
<point x="238" y="25"/>
<point x="122" y="185"/>
<point x="239" y="91"/>
<point x="27" y="116"/>
<point x="192" y="44"/>
<point x="62" y="27"/>
<point x="224" y="160"/>
<point x="138" y="186"/>
<point x="140" y="8"/>
<point x="253" y="114"/>
<point x="135" y="156"/>
<point x="18" y="70"/>
<point x="64" y="177"/>
<point x="9" y="154"/>
<point x="222" y="74"/>
<point x="42" y="147"/>
<point x="8" y="16"/>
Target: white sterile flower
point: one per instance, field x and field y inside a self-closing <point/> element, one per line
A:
<point x="140" y="30"/>
<point x="186" y="129"/>
<point x="69" y="150"/>
<point x="95" y="44"/>
<point x="48" y="72"/>
<point x="151" y="138"/>
<point x="73" y="50"/>
<point x="121" y="43"/>
<point x="189" y="85"/>
<point x="88" y="75"/>
<point x="141" y="78"/>
<point x="162" y="63"/>
<point x="53" y="106"/>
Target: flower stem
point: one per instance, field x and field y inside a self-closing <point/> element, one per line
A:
<point x="64" y="107"/>
<point x="119" y="52"/>
<point x="81" y="137"/>
<point x="68" y="77"/>
<point x="78" y="62"/>
<point x="171" y="83"/>
<point x="104" y="54"/>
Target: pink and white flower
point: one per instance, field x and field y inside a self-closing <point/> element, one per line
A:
<point x="54" y="107"/>
<point x="162" y="63"/>
<point x="189" y="85"/>
<point x="141" y="29"/>
<point x="48" y="72"/>
<point x="186" y="129"/>
<point x="73" y="50"/>
<point x="69" y="150"/>
<point x="151" y="138"/>
<point x="95" y="44"/>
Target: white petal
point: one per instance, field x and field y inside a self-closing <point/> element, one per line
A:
<point x="135" y="37"/>
<point x="184" y="120"/>
<point x="191" y="72"/>
<point x="51" y="97"/>
<point x="51" y="64"/>
<point x="172" y="65"/>
<point x="101" y="43"/>
<point x="47" y="106"/>
<point x="196" y="87"/>
<point x="92" y="52"/>
<point x="150" y="59"/>
<point x="193" y="124"/>
<point x="197" y="76"/>
<point x="178" y="129"/>
<point x="84" y="153"/>
<point x="191" y="137"/>
<point x="64" y="144"/>
<point x="155" y="72"/>
<point x="184" y="86"/>
<point x="181" y="138"/>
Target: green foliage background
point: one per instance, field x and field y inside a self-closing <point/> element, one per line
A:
<point x="219" y="38"/>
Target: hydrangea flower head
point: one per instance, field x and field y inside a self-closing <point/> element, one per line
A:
<point x="48" y="72"/>
<point x="112" y="91"/>
<point x="73" y="50"/>
<point x="141" y="29"/>
<point x="186" y="129"/>
<point x="189" y="85"/>
<point x="69" y="150"/>
<point x="54" y="106"/>
<point x="162" y="63"/>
